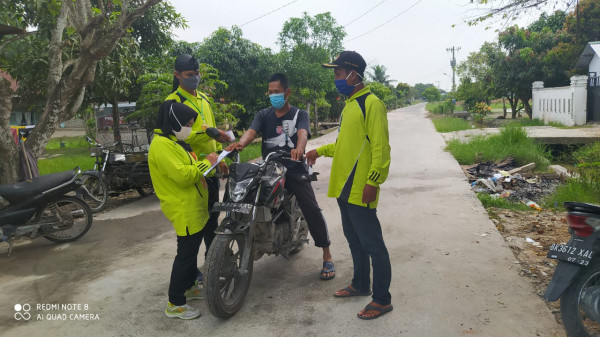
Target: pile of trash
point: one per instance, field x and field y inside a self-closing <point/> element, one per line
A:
<point x="516" y="183"/>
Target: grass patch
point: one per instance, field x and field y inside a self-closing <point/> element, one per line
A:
<point x="440" y="108"/>
<point x="252" y="151"/>
<point x="70" y="143"/>
<point x="74" y="153"/>
<point x="574" y="190"/>
<point x="488" y="201"/>
<point x="511" y="142"/>
<point x="588" y="153"/>
<point x="65" y="163"/>
<point x="449" y="124"/>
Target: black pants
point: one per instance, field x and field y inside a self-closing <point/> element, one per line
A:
<point x="365" y="238"/>
<point x="183" y="274"/>
<point x="300" y="185"/>
<point x="208" y="232"/>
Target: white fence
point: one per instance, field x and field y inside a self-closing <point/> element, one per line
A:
<point x="566" y="105"/>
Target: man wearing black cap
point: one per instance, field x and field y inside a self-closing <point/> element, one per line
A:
<point x="185" y="82"/>
<point x="361" y="161"/>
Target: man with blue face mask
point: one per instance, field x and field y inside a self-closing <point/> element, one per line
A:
<point x="361" y="162"/>
<point x="286" y="127"/>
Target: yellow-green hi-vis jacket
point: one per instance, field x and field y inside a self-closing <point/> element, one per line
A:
<point x="201" y="143"/>
<point x="362" y="145"/>
<point x="179" y="184"/>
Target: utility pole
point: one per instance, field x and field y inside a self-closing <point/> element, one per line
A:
<point x="453" y="65"/>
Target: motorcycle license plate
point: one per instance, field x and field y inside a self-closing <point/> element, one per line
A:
<point x="571" y="254"/>
<point x="232" y="207"/>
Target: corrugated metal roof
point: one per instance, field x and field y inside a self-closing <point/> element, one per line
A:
<point x="592" y="48"/>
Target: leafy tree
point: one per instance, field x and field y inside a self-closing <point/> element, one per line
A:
<point x="512" y="9"/>
<point x="384" y="93"/>
<point x="244" y="65"/>
<point x="73" y="35"/>
<point x="306" y="43"/>
<point x="378" y="74"/>
<point x="318" y="32"/>
<point x="419" y="88"/>
<point x="432" y="94"/>
<point x="554" y="22"/>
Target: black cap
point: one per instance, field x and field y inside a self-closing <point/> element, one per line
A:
<point x="348" y="59"/>
<point x="186" y="62"/>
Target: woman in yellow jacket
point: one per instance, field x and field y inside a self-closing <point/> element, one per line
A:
<point x="177" y="177"/>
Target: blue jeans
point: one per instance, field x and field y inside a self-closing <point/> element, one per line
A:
<point x="363" y="232"/>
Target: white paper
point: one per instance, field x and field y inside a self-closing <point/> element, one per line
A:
<point x="221" y="157"/>
<point x="231" y="135"/>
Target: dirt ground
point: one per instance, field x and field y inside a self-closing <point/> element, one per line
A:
<point x="544" y="228"/>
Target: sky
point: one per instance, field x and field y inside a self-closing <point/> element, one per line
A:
<point x="412" y="46"/>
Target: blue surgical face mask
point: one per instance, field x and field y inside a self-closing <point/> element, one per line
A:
<point x="277" y="100"/>
<point x="343" y="87"/>
<point x="190" y="83"/>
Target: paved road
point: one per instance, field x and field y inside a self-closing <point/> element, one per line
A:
<point x="453" y="275"/>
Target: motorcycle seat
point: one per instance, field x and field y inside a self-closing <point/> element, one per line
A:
<point x="581" y="207"/>
<point x="17" y="192"/>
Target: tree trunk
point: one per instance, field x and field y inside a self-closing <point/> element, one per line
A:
<point x="8" y="149"/>
<point x="116" y="122"/>
<point x="528" y="109"/>
<point x="504" y="106"/>
<point x="67" y="80"/>
<point x="316" y="120"/>
<point x="513" y="101"/>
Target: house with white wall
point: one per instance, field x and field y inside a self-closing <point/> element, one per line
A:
<point x="576" y="104"/>
<point x="590" y="60"/>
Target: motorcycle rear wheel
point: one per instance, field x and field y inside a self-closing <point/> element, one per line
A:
<point x="225" y="286"/>
<point x="98" y="189"/>
<point x="575" y="320"/>
<point x="71" y="219"/>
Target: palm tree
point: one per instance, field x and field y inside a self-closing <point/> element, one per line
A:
<point x="378" y="74"/>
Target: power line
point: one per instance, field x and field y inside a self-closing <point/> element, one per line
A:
<point x="262" y="16"/>
<point x="365" y="13"/>
<point x="388" y="21"/>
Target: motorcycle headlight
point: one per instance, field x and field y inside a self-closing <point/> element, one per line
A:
<point x="237" y="190"/>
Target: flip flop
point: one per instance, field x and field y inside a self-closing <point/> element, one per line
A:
<point x="352" y="292"/>
<point x="327" y="268"/>
<point x="381" y="311"/>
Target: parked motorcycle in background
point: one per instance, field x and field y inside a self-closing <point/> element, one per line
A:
<point x="261" y="218"/>
<point x="576" y="279"/>
<point x="115" y="171"/>
<point x="43" y="208"/>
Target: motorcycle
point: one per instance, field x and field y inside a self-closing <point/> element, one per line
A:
<point x="576" y="279"/>
<point x="43" y="208"/>
<point x="114" y="171"/>
<point x="262" y="217"/>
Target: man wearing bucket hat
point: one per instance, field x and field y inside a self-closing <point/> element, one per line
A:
<point x="361" y="161"/>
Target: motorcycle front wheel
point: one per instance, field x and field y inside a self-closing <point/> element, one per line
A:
<point x="576" y="321"/>
<point x="65" y="220"/>
<point x="98" y="193"/>
<point x="226" y="285"/>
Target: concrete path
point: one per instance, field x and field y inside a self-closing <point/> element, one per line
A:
<point x="453" y="274"/>
<point x="542" y="134"/>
